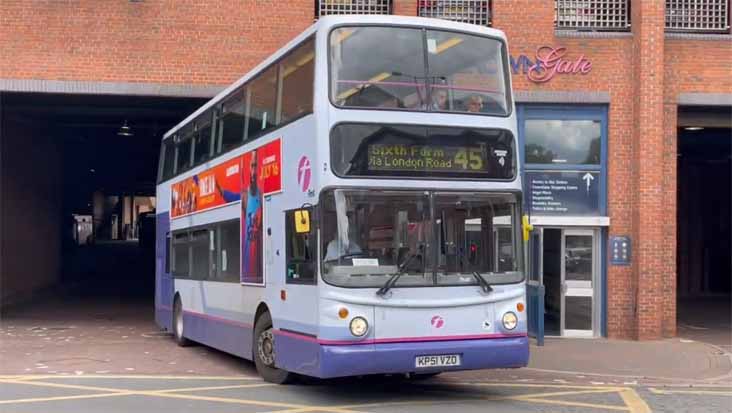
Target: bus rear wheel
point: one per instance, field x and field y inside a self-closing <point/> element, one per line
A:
<point x="178" y="324"/>
<point x="264" y="352"/>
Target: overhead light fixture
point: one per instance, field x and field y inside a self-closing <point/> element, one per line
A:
<point x="693" y="128"/>
<point x="125" y="130"/>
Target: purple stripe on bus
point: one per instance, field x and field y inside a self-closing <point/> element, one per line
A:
<point x="219" y="319"/>
<point x="460" y="88"/>
<point x="298" y="355"/>
<point x="338" y="361"/>
<point x="306" y="356"/>
<point x="303" y="337"/>
<point x="226" y="335"/>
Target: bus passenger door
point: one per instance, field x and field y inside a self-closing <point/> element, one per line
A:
<point x="163" y="278"/>
<point x="535" y="287"/>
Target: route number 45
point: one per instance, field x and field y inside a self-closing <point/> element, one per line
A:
<point x="469" y="159"/>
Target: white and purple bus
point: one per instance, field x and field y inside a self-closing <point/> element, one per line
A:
<point x="351" y="206"/>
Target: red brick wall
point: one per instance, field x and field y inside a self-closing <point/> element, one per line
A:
<point x="215" y="42"/>
<point x="155" y="41"/>
<point x="643" y="73"/>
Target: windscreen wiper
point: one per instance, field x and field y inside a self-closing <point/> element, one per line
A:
<point x="402" y="269"/>
<point x="481" y="281"/>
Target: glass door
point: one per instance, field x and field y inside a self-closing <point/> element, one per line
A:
<point x="579" y="270"/>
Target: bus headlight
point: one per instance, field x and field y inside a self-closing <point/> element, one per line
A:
<point x="509" y="320"/>
<point x="359" y="326"/>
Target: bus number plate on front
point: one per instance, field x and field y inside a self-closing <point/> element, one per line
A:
<point x="445" y="360"/>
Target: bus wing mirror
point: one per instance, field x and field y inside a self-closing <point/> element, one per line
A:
<point x="302" y="221"/>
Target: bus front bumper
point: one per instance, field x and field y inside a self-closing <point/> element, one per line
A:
<point x="356" y="360"/>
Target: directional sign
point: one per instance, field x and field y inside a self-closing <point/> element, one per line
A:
<point x="563" y="193"/>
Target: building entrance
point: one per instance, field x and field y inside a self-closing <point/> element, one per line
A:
<point x="704" y="282"/>
<point x="570" y="275"/>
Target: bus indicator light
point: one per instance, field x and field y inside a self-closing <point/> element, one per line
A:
<point x="520" y="307"/>
<point x="343" y="313"/>
<point x="283" y="295"/>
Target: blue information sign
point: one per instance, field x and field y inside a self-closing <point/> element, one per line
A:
<point x="564" y="193"/>
<point x="620" y="250"/>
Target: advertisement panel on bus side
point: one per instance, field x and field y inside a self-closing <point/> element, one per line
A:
<point x="226" y="182"/>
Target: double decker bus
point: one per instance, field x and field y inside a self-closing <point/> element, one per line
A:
<point x="351" y="206"/>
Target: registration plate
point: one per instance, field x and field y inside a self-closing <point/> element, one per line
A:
<point x="444" y="360"/>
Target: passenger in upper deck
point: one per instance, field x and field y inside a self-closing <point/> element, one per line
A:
<point x="439" y="100"/>
<point x="474" y="103"/>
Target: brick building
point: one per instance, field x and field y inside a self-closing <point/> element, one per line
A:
<point x="630" y="105"/>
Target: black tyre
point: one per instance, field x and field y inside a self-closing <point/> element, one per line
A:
<point x="264" y="352"/>
<point x="178" y="324"/>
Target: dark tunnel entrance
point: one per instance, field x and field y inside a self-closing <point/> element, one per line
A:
<point x="78" y="194"/>
<point x="704" y="283"/>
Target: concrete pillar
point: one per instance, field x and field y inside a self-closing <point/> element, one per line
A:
<point x="648" y="164"/>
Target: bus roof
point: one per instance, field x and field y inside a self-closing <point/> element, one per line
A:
<point x="324" y="24"/>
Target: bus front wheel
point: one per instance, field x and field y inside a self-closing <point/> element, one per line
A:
<point x="264" y="352"/>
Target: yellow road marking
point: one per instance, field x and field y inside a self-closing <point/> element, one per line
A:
<point x="65" y="386"/>
<point x="561" y="393"/>
<point x="535" y="385"/>
<point x="169" y="393"/>
<point x="634" y="401"/>
<point x="576" y="404"/>
<point x="532" y="397"/>
<point x="58" y="398"/>
<point x="237" y="386"/>
<point x="329" y="409"/>
<point x="697" y="392"/>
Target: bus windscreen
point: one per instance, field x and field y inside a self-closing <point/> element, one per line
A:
<point x="362" y="150"/>
<point x="418" y="70"/>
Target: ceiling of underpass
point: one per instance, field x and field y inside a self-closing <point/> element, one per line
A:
<point x="95" y="156"/>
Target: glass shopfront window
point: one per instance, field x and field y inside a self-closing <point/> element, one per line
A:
<point x="558" y="141"/>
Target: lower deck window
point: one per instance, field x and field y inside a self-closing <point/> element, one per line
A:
<point x="208" y="253"/>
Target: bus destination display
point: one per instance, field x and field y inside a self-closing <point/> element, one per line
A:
<point x="432" y="158"/>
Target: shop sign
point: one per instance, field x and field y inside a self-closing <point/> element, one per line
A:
<point x="549" y="62"/>
<point x="566" y="193"/>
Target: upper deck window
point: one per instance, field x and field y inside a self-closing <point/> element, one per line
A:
<point x="417" y="69"/>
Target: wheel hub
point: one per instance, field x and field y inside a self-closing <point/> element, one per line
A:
<point x="265" y="347"/>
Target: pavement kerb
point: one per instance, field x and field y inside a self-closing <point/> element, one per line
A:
<point x="724" y="353"/>
<point x="719" y="353"/>
<point x="630" y="377"/>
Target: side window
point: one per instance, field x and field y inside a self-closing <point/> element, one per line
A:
<point x="183" y="154"/>
<point x="262" y="102"/>
<point x="296" y="71"/>
<point x="202" y="246"/>
<point x="231" y="121"/>
<point x="181" y="258"/>
<point x="300" y="252"/>
<point x="228" y="251"/>
<point x="168" y="159"/>
<point x="202" y="138"/>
